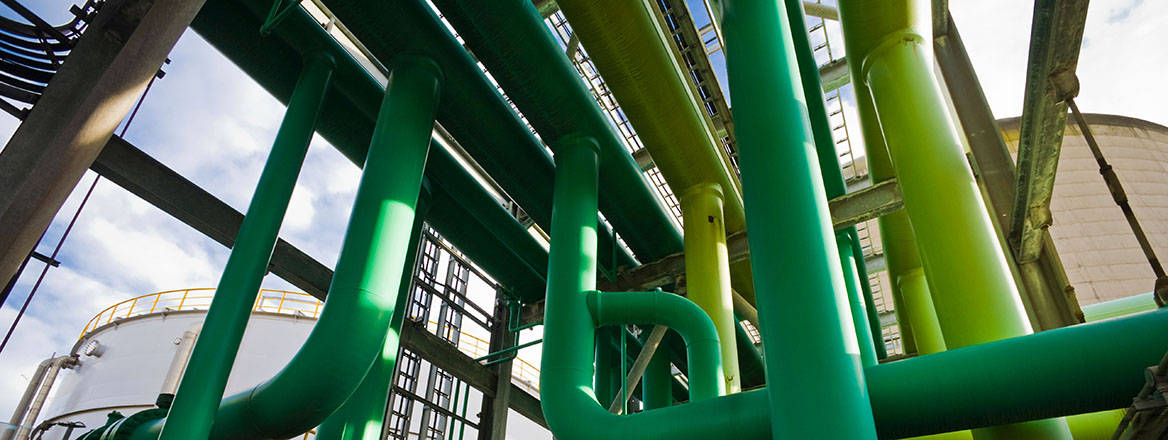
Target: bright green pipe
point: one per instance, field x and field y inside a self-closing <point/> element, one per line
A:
<point x="363" y="414"/>
<point x="856" y="300"/>
<point x="863" y="313"/>
<point x="972" y="287"/>
<point x="802" y="301"/>
<point x="703" y="348"/>
<point x="1119" y="307"/>
<point x="918" y="308"/>
<point x="352" y="326"/>
<point x="707" y="270"/>
<point x="214" y="353"/>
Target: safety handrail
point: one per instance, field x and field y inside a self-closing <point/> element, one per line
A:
<point x="268" y="300"/>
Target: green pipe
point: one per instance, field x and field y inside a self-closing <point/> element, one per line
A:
<point x="544" y="86"/>
<point x="703" y="348"/>
<point x="802" y="301"/>
<point x="605" y="382"/>
<point x="364" y="287"/>
<point x="973" y="290"/>
<point x="625" y="43"/>
<point x="1120" y="307"/>
<point x="657" y="382"/>
<point x="873" y="316"/>
<point x="856" y="300"/>
<point x="834" y="186"/>
<point x="510" y="349"/>
<point x="918" y="308"/>
<point x="363" y="414"/>
<point x="750" y="363"/>
<point x="1018" y="379"/>
<point x="214" y="353"/>
<point x="707" y="269"/>
<point x="568" y="400"/>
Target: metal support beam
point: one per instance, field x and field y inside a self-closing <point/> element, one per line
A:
<point x="847" y="210"/>
<point x="1055" y="39"/>
<point x="493" y="418"/>
<point x="78" y="112"/>
<point x="135" y="171"/>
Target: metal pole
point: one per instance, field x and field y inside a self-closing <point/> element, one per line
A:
<point x="799" y="282"/>
<point x="1120" y="197"/>
<point x="199" y="392"/>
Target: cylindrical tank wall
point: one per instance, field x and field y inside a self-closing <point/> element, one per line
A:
<point x="137" y="353"/>
<point x="1096" y="245"/>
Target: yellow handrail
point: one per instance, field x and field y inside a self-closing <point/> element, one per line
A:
<point x="269" y="300"/>
<point x="476" y="347"/>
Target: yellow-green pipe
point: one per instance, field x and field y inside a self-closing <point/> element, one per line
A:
<point x="707" y="270"/>
<point x="972" y="287"/>
<point x="624" y="42"/>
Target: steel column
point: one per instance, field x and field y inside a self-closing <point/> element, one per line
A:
<point x="707" y="270"/>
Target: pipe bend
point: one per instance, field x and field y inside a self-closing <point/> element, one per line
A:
<point x="703" y="347"/>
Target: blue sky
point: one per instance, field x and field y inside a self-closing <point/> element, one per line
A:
<point x="212" y="124"/>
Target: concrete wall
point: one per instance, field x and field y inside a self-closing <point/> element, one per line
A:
<point x="1100" y="254"/>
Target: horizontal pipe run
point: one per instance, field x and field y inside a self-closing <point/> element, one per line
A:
<point x="1070" y="370"/>
<point x="680" y="314"/>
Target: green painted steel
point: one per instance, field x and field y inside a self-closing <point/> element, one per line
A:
<point x="504" y="143"/>
<point x="347" y="121"/>
<point x="1018" y="379"/>
<point x="365" y="284"/>
<point x="1120" y="307"/>
<point x="606" y="380"/>
<point x="834" y="186"/>
<point x="657" y="383"/>
<point x="800" y="288"/>
<point x="856" y="300"/>
<point x="703" y="347"/>
<point x="568" y="400"/>
<point x="918" y="308"/>
<point x="363" y="414"/>
<point x="626" y="45"/>
<point x="201" y="388"/>
<point x="707" y="270"/>
<point x="972" y="287"/>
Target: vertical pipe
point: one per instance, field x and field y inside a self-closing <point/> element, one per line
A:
<point x="363" y="415"/>
<point x="707" y="270"/>
<point x="802" y="301"/>
<point x="178" y="364"/>
<point x="657" y="383"/>
<point x="38" y="402"/>
<point x="199" y="392"/>
<point x="34" y="384"/>
<point x="605" y="382"/>
<point x="856" y="299"/>
<point x="834" y="186"/>
<point x="571" y="273"/>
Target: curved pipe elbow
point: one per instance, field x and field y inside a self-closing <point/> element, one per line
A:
<point x="683" y="316"/>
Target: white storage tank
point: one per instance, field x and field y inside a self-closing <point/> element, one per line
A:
<point x="127" y="351"/>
